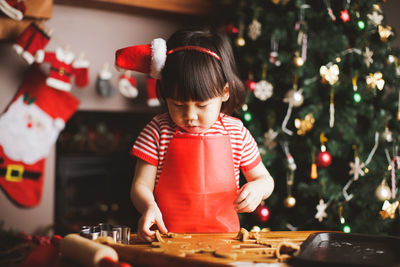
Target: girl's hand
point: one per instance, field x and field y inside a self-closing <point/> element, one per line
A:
<point x="152" y="216"/>
<point x="250" y="196"/>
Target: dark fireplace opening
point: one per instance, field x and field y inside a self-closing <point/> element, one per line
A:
<point x="94" y="170"/>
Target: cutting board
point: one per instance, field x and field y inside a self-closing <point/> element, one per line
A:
<point x="195" y="250"/>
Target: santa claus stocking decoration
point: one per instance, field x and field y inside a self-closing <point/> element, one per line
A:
<point x="29" y="128"/>
<point x="31" y="40"/>
<point x="14" y="9"/>
<point x="127" y="85"/>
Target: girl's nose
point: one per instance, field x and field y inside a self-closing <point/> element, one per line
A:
<point x="191" y="113"/>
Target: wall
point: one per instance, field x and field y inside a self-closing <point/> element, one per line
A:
<point x="97" y="33"/>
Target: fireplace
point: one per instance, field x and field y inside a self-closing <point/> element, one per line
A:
<point x="94" y="170"/>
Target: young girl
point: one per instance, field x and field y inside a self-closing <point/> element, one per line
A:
<point x="189" y="159"/>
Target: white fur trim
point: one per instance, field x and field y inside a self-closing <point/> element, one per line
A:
<point x="153" y="102"/>
<point x="57" y="84"/>
<point x="64" y="56"/>
<point x="17" y="48"/>
<point x="39" y="56"/>
<point x="158" y="57"/>
<point x="80" y="63"/>
<point x="10" y="11"/>
<point x="28" y="57"/>
<point x="59" y="123"/>
<point x="105" y="75"/>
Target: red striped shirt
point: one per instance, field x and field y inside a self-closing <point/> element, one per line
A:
<point x="153" y="141"/>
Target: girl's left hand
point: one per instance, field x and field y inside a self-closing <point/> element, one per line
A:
<point x="249" y="196"/>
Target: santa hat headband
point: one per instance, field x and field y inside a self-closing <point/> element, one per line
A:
<point x="151" y="58"/>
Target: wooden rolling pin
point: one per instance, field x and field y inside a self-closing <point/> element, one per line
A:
<point x="85" y="251"/>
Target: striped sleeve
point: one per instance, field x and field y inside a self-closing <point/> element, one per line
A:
<point x="146" y="146"/>
<point x="250" y="154"/>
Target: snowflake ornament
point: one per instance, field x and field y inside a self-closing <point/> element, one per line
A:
<point x="270" y="139"/>
<point x="356" y="168"/>
<point x="254" y="29"/>
<point x="321" y="207"/>
<point x="330" y="73"/>
<point x="375" y="17"/>
<point x="263" y="90"/>
<point x="368" y="57"/>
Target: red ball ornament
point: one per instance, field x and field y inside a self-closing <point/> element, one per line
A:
<point x="231" y="29"/>
<point x="324" y="159"/>
<point x="250" y="84"/>
<point x="262" y="213"/>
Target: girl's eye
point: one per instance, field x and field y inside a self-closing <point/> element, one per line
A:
<point x="203" y="105"/>
<point x="178" y="105"/>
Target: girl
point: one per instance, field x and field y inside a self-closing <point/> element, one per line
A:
<point x="189" y="159"/>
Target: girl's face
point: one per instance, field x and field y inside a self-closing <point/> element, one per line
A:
<point x="196" y="116"/>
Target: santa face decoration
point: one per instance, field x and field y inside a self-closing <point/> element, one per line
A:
<point x="29" y="123"/>
<point x="30" y="127"/>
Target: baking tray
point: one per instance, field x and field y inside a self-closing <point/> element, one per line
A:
<point x="340" y="249"/>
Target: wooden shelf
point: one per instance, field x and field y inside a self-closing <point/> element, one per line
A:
<point x="36" y="10"/>
<point x="185" y="7"/>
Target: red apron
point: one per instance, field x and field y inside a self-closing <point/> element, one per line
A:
<point x="197" y="186"/>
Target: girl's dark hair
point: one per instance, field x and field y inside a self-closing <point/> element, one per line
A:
<point x="193" y="75"/>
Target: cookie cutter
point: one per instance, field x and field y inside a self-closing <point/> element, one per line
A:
<point x="119" y="233"/>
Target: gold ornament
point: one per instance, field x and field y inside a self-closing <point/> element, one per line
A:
<point x="240" y="41"/>
<point x="330" y="73"/>
<point x="283" y="2"/>
<point x="383" y="191"/>
<point x="294" y="97"/>
<point x="385" y="32"/>
<point x="398" y="115"/>
<point x="298" y="60"/>
<point x="305" y="125"/>
<point x="289" y="202"/>
<point x="375" y="80"/>
<point x="389" y="209"/>
<point x="387" y="135"/>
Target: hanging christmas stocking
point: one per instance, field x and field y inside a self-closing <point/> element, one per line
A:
<point x="31" y="40"/>
<point x="15" y="9"/>
<point x="103" y="83"/>
<point x="29" y="128"/>
<point x="152" y="99"/>
<point x="127" y="85"/>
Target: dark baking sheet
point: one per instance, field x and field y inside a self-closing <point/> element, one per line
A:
<point x="340" y="249"/>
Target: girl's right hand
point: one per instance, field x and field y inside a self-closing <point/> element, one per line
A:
<point x="152" y="216"/>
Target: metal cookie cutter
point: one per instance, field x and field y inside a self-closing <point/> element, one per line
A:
<point x="119" y="233"/>
<point x="124" y="233"/>
<point x="90" y="232"/>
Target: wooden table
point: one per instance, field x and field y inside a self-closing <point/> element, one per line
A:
<point x="164" y="254"/>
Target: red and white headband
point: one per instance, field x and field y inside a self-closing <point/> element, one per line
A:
<point x="151" y="58"/>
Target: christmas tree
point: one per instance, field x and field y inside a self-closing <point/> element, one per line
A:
<point x="323" y="105"/>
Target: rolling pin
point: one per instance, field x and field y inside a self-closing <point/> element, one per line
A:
<point x="85" y="251"/>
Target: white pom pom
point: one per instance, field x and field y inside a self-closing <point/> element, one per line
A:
<point x="158" y="57"/>
<point x="59" y="123"/>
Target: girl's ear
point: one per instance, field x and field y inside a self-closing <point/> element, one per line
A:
<point x="225" y="94"/>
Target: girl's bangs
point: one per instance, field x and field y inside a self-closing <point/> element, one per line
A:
<point x="195" y="76"/>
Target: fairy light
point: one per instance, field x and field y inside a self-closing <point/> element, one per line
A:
<point x="247" y="116"/>
<point x="361" y="24"/>
<point x="357" y="97"/>
<point x="346" y="229"/>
